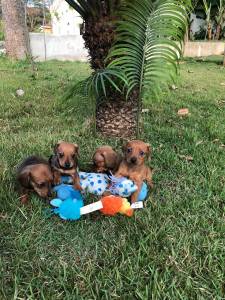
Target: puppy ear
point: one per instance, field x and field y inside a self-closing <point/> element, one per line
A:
<point x="76" y="148"/>
<point x="56" y="146"/>
<point x="110" y="159"/>
<point x="24" y="179"/>
<point x="149" y="150"/>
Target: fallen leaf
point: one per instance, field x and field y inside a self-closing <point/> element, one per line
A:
<point x="216" y="141"/>
<point x="186" y="157"/>
<point x="222" y="83"/>
<point x="198" y="143"/>
<point x="183" y="112"/>
<point x="190" y="71"/>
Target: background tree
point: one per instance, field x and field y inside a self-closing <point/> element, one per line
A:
<point x="16" y="32"/>
<point x="117" y="114"/>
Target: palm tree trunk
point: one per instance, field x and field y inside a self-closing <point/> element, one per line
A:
<point x="118" y="117"/>
<point x="209" y="30"/>
<point x="218" y="30"/>
<point x="16" y="33"/>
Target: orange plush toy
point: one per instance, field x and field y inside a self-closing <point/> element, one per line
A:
<point x="113" y="205"/>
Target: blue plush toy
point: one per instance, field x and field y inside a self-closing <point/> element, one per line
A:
<point x="68" y="202"/>
<point x="143" y="193"/>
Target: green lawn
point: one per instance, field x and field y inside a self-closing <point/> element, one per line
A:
<point x="173" y="249"/>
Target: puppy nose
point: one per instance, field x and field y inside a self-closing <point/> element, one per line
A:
<point x="133" y="159"/>
<point x="67" y="164"/>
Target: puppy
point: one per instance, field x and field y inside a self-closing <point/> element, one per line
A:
<point x="133" y="165"/>
<point x="105" y="160"/>
<point x="64" y="162"/>
<point x="34" y="174"/>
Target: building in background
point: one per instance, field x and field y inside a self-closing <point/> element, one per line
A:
<point x="65" y="21"/>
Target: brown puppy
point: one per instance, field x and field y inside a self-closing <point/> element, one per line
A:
<point x="105" y="159"/>
<point x="34" y="174"/>
<point x="133" y="165"/>
<point x="64" y="162"/>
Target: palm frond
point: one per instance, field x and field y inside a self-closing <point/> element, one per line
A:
<point x="94" y="8"/>
<point x="97" y="84"/>
<point x="149" y="42"/>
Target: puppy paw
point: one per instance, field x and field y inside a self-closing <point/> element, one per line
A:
<point x="24" y="199"/>
<point x="77" y="187"/>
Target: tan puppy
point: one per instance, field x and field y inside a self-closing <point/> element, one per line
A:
<point x="34" y="174"/>
<point x="133" y="165"/>
<point x="64" y="162"/>
<point x="105" y="159"/>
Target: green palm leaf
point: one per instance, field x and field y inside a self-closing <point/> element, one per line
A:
<point x="149" y="42"/>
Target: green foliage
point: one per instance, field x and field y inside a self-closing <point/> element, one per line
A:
<point x="172" y="249"/>
<point x="148" y="44"/>
<point x="94" y="9"/>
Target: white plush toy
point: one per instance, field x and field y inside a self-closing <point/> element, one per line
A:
<point x="94" y="183"/>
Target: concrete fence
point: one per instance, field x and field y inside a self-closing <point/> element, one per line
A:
<point x="71" y="47"/>
<point x="65" y="47"/>
<point x="197" y="49"/>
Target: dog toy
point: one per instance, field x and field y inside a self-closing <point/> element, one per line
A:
<point x="121" y="186"/>
<point x="113" y="205"/>
<point x="68" y="209"/>
<point x="94" y="183"/>
<point x="68" y="202"/>
<point x="143" y="193"/>
<point x="65" y="191"/>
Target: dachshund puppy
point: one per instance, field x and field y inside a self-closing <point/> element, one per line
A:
<point x="34" y="174"/>
<point x="105" y="159"/>
<point x="133" y="165"/>
<point x="64" y="162"/>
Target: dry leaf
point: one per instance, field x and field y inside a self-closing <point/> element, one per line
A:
<point x="222" y="83"/>
<point x="186" y="157"/>
<point x="198" y="143"/>
<point x="183" y="112"/>
<point x="145" y="110"/>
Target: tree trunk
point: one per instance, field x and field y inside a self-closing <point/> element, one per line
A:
<point x="218" y="30"/>
<point x="224" y="58"/>
<point x="209" y="30"/>
<point x="118" y="117"/>
<point x="16" y="33"/>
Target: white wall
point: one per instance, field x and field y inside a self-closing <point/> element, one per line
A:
<point x="65" y="47"/>
<point x="71" y="47"/>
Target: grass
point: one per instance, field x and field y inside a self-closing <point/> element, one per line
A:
<point x="173" y="249"/>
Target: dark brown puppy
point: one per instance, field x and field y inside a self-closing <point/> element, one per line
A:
<point x="105" y="159"/>
<point x="34" y="174"/>
<point x="133" y="165"/>
<point x="64" y="162"/>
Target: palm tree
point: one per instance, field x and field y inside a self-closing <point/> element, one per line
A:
<point x="147" y="45"/>
<point x="16" y="32"/>
<point x="98" y="27"/>
<point x="220" y="18"/>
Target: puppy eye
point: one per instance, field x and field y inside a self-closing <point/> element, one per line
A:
<point x="61" y="154"/>
<point x="41" y="185"/>
<point x="142" y="153"/>
<point x="129" y="150"/>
